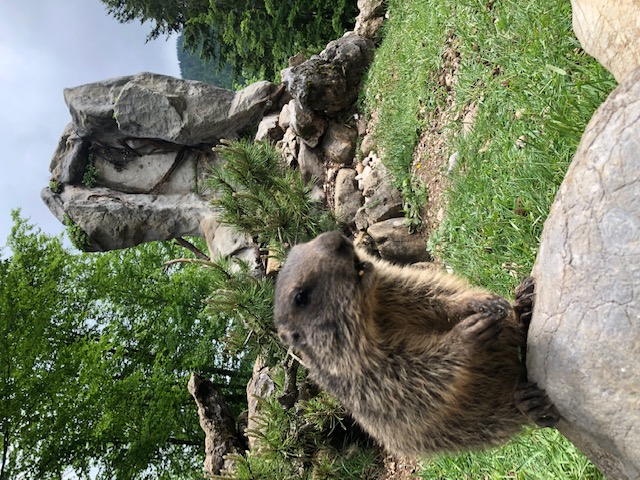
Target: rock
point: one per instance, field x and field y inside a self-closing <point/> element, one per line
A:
<point x="395" y="244"/>
<point x="146" y="141"/>
<point x="218" y="423"/>
<point x="155" y="106"/>
<point x="311" y="165"/>
<point x="260" y="387"/>
<point x="225" y="241"/>
<point x="114" y="220"/>
<point x="284" y="120"/>
<point x="269" y="129"/>
<point x="339" y="143"/>
<point x="370" y="8"/>
<point x="289" y="146"/>
<point x="348" y="198"/>
<point x="610" y="32"/>
<point x="368" y="28"/>
<point x="382" y="200"/>
<point x="329" y="83"/>
<point x="584" y="339"/>
<point x="307" y="125"/>
<point x="367" y="145"/>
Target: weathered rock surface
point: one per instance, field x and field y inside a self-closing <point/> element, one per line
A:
<point x="339" y="143"/>
<point x="382" y="200"/>
<point x="348" y="199"/>
<point x="269" y="128"/>
<point x="609" y="30"/>
<point x="329" y="83"/>
<point x="370" y="18"/>
<point x="306" y="124"/>
<point x="260" y="387"/>
<point x="395" y="244"/>
<point x="584" y="339"/>
<point x="145" y="142"/>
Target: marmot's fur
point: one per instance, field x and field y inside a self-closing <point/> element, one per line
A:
<point x="424" y="362"/>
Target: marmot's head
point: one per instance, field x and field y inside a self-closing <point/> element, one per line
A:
<point x="318" y="294"/>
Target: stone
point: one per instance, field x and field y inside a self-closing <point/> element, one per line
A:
<point x="367" y="145"/>
<point x="284" y="119"/>
<point x="147" y="141"/>
<point x="307" y="125"/>
<point x="369" y="28"/>
<point x="260" y="387"/>
<point x="330" y="83"/>
<point x="348" y="199"/>
<point x="609" y="30"/>
<point x="395" y="244"/>
<point x="269" y="129"/>
<point x="155" y="106"/>
<point x="311" y="164"/>
<point x="584" y="338"/>
<point x="339" y="143"/>
<point x="382" y="200"/>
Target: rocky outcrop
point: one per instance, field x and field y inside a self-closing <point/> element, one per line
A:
<point x="609" y="30"/>
<point x="130" y="167"/>
<point x="584" y="339"/>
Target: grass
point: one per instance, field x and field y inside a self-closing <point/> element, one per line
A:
<point x="535" y="90"/>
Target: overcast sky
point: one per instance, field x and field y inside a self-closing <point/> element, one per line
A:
<point x="46" y="46"/>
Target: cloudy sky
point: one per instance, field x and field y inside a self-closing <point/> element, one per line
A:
<point x="45" y="46"/>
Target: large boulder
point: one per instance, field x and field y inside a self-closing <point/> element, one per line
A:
<point x="584" y="339"/>
<point x="609" y="30"/>
<point x="329" y="83"/>
<point x="130" y="167"/>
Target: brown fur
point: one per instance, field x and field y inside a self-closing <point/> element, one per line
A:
<point x="424" y="362"/>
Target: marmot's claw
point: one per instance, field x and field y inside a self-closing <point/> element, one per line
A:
<point x="484" y="327"/>
<point x="534" y="403"/>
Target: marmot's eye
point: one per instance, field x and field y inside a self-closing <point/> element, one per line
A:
<point x="301" y="298"/>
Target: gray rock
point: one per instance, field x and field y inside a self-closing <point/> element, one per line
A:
<point x="584" y="339"/>
<point x="339" y="143"/>
<point x="306" y="124"/>
<point x="329" y="83"/>
<point x="382" y="200"/>
<point x="260" y="387"/>
<point x="395" y="244"/>
<point x="149" y="139"/>
<point x="269" y="129"/>
<point x="148" y="105"/>
<point x="284" y="120"/>
<point x="348" y="199"/>
<point x="609" y="31"/>
<point x="311" y="164"/>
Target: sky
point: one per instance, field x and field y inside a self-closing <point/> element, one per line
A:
<point x="46" y="46"/>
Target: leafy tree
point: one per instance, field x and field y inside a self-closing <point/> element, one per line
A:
<point x="255" y="36"/>
<point x="95" y="354"/>
<point x="193" y="67"/>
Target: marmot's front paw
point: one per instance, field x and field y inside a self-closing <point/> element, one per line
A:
<point x="525" y="296"/>
<point x="534" y="403"/>
<point x="483" y="327"/>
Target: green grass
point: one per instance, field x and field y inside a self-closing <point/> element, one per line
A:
<point x="535" y="90"/>
<point x="542" y="454"/>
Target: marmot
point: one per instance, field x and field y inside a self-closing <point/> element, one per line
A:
<point x="424" y="362"/>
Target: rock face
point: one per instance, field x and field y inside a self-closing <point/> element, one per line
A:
<point x="584" y="339"/>
<point x="329" y="83"/>
<point x="130" y="167"/>
<point x="609" y="30"/>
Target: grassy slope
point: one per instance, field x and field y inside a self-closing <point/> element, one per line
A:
<point x="522" y="67"/>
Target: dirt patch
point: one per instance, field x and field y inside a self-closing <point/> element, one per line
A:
<point x="432" y="158"/>
<point x="399" y="469"/>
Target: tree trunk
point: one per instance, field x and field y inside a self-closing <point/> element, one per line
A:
<point x="217" y="422"/>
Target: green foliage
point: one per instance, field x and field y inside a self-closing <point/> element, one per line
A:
<point x="90" y="172"/>
<point x="55" y="186"/>
<point x="540" y="454"/>
<point x="79" y="238"/>
<point x="193" y="67"/>
<point x="243" y="303"/>
<point x="96" y="351"/>
<point x="295" y="444"/>
<point x="264" y="198"/>
<point x="256" y="38"/>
